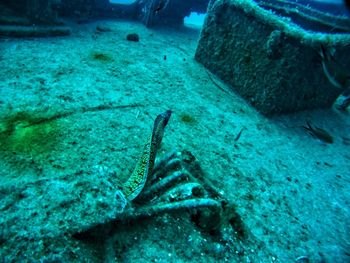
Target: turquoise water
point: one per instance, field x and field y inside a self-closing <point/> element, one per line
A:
<point x="210" y="138"/>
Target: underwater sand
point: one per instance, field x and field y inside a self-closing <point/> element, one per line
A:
<point x="291" y="191"/>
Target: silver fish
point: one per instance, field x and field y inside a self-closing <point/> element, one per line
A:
<point x="318" y="133"/>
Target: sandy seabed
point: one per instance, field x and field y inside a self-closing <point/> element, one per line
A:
<point x="291" y="191"/>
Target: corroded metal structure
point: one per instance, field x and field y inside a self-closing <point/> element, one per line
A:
<point x="267" y="58"/>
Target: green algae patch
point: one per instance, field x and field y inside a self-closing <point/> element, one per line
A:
<point x="29" y="135"/>
<point x="100" y="56"/>
<point x="188" y="119"/>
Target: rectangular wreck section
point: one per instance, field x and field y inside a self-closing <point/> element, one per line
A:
<point x="267" y="59"/>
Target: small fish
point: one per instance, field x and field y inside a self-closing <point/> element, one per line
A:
<point x="318" y="133"/>
<point x="336" y="73"/>
<point x="239" y="134"/>
<point x="162" y="4"/>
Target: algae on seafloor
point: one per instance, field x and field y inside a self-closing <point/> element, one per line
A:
<point x="102" y="57"/>
<point x="188" y="118"/>
<point x="28" y="134"/>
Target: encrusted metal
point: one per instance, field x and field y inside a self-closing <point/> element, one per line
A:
<point x="172" y="187"/>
